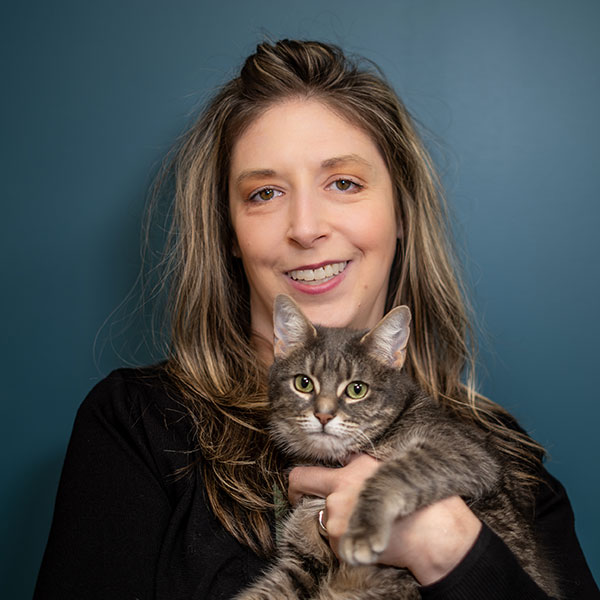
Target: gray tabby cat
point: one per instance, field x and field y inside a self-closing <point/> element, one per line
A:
<point x="335" y="392"/>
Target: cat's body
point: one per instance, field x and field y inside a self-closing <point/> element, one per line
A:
<point x="335" y="392"/>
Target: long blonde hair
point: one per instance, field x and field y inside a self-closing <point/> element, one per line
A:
<point x="211" y="358"/>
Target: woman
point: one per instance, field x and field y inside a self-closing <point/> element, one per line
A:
<point x="304" y="175"/>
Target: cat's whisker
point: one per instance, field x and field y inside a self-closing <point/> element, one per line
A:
<point x="373" y="450"/>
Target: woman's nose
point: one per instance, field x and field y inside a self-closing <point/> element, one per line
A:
<point x="308" y="221"/>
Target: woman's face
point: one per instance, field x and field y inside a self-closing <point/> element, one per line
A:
<point x="312" y="208"/>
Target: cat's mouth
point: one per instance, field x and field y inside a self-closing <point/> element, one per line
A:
<point x="319" y="275"/>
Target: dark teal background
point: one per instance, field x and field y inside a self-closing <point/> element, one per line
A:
<point x="93" y="95"/>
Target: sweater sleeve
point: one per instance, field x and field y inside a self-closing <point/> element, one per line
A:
<point x="491" y="571"/>
<point x="555" y="528"/>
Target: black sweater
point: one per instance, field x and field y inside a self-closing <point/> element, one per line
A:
<point x="126" y="528"/>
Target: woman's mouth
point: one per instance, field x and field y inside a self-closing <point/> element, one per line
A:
<point x="319" y="275"/>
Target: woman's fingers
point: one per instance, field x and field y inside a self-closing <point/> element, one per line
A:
<point x="339" y="507"/>
<point x="323" y="481"/>
<point x="340" y="487"/>
<point x="310" y="481"/>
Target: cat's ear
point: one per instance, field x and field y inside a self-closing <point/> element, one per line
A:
<point x="387" y="341"/>
<point x="290" y="327"/>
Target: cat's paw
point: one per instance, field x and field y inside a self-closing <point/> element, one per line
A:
<point x="362" y="547"/>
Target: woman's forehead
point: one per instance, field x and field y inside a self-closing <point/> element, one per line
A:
<point x="307" y="130"/>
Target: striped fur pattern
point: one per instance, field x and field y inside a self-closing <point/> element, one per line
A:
<point x="335" y="392"/>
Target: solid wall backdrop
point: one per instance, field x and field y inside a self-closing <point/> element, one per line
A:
<point x="95" y="93"/>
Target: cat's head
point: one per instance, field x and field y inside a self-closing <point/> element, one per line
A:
<point x="334" y="391"/>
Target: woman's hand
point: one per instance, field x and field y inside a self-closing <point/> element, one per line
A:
<point x="430" y="542"/>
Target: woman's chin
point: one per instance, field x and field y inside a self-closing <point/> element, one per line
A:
<point x="340" y="314"/>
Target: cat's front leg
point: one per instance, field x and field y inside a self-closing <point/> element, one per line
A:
<point x="370" y="524"/>
<point x="422" y="476"/>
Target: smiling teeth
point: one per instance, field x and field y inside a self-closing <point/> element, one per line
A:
<point x="320" y="274"/>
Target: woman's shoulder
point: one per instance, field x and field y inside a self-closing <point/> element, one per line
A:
<point x="153" y="376"/>
<point x="141" y="409"/>
<point x="128" y="394"/>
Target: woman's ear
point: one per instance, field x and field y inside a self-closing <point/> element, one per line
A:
<point x="235" y="249"/>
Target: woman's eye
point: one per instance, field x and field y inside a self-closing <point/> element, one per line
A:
<point x="264" y="195"/>
<point x="357" y="390"/>
<point x="303" y="383"/>
<point x="345" y="185"/>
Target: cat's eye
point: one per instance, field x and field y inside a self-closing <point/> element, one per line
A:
<point x="303" y="383"/>
<point x="357" y="390"/>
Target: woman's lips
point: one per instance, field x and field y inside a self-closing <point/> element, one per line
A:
<point x="319" y="279"/>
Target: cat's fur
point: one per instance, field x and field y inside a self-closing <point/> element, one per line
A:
<point x="427" y="455"/>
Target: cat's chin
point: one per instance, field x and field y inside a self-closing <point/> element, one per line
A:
<point x="321" y="447"/>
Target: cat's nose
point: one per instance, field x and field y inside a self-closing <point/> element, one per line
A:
<point x="324" y="417"/>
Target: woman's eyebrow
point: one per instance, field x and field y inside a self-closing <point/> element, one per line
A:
<point x="336" y="161"/>
<point x="253" y="173"/>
